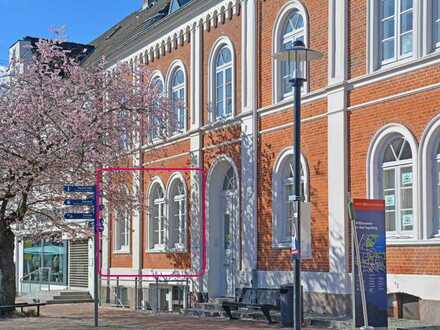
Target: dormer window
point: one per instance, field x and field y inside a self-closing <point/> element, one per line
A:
<point x="149" y="3"/>
<point x="176" y="5"/>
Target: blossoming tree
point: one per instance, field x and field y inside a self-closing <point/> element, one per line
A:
<point x="59" y="122"/>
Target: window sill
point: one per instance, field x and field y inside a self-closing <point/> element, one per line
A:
<point x="177" y="250"/>
<point x="177" y="133"/>
<point x="213" y="123"/>
<point x="397" y="66"/>
<point x="287" y="99"/>
<point x="167" y="139"/>
<point x="220" y="120"/>
<point x="121" y="252"/>
<point x="157" y="250"/>
<point x="395" y="62"/>
<point x="167" y="250"/>
<point x="155" y="141"/>
<point x="412" y="242"/>
<point x="281" y="245"/>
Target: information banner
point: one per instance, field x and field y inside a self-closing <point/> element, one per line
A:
<point x="370" y="227"/>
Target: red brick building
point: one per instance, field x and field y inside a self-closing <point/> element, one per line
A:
<point x="371" y="127"/>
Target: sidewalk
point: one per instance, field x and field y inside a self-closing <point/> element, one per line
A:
<point x="80" y="316"/>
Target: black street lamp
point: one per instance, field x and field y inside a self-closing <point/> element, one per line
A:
<point x="297" y="57"/>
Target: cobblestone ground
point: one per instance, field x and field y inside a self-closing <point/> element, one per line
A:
<point x="80" y="316"/>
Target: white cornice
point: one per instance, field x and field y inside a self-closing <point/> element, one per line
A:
<point x="175" y="30"/>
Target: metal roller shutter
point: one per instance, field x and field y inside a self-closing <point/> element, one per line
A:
<point x="78" y="264"/>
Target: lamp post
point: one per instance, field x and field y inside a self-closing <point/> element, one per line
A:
<point x="297" y="57"/>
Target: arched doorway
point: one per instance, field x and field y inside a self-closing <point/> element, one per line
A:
<point x="223" y="230"/>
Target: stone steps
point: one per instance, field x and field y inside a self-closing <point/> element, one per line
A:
<point x="71" y="297"/>
<point x="60" y="297"/>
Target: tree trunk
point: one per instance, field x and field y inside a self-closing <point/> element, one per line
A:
<point x="7" y="268"/>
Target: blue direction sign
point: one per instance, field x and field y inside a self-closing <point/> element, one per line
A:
<point x="79" y="189"/>
<point x="80" y="202"/>
<point x="79" y="216"/>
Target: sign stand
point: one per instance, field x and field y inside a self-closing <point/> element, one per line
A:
<point x="90" y="217"/>
<point x="352" y="216"/>
<point x="369" y="273"/>
<point x="95" y="261"/>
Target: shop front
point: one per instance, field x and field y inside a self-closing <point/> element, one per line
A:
<point x="44" y="265"/>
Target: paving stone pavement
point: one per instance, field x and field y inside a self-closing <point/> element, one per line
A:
<point x="80" y="316"/>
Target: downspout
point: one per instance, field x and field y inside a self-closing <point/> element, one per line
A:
<point x="253" y="100"/>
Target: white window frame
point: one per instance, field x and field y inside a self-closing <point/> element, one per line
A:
<point x="429" y="146"/>
<point x="434" y="21"/>
<point x="289" y="37"/>
<point x="374" y="61"/>
<point x="174" y="67"/>
<point x="375" y="175"/>
<point x="218" y="45"/>
<point x="397" y="166"/>
<point x="222" y="70"/>
<point x="183" y="217"/>
<point x="430" y="20"/>
<point x="278" y="42"/>
<point x="118" y="247"/>
<point x="160" y="203"/>
<point x="397" y="33"/>
<point x="125" y="139"/>
<point x="436" y="201"/>
<point x="280" y="238"/>
<point x="157" y="76"/>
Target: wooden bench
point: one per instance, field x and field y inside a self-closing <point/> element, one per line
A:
<point x="22" y="306"/>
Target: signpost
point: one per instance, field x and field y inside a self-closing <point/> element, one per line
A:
<point x="91" y="201"/>
<point x="369" y="264"/>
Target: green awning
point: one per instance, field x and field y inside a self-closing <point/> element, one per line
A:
<point x="46" y="250"/>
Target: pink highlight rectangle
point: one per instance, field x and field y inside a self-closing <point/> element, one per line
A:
<point x="99" y="172"/>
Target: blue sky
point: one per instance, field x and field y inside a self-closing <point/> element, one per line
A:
<point x="83" y="20"/>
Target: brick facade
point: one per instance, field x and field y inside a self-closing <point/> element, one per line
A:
<point x="406" y="94"/>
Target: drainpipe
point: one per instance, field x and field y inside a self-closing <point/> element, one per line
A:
<point x="253" y="97"/>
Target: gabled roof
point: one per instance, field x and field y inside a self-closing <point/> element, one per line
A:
<point x="114" y="40"/>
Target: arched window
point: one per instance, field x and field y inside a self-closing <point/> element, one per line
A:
<point x="124" y="136"/>
<point x="177" y="215"/>
<point x="397" y="186"/>
<point x="156" y="127"/>
<point x="178" y="101"/>
<point x="223" y="84"/>
<point x="283" y="204"/>
<point x="430" y="175"/>
<point x="122" y="230"/>
<point x="435" y="24"/>
<point x="393" y="176"/>
<point x="157" y="225"/>
<point x="437" y="193"/>
<point x="291" y="26"/>
<point x="230" y="182"/>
